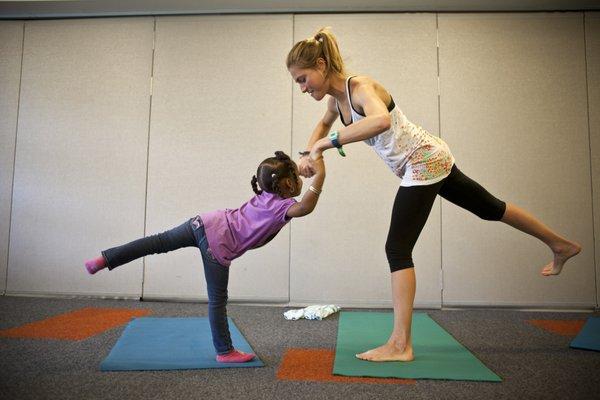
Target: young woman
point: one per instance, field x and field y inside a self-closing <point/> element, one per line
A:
<point x="422" y="161"/>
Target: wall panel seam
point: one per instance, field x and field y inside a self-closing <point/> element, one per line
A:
<point x="148" y="149"/>
<point x="12" y="187"/>
<point x="289" y="296"/>
<point x="587" y="94"/>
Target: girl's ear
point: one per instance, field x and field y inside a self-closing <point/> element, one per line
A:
<point x="290" y="184"/>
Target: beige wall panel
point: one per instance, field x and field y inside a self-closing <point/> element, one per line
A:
<point x="338" y="253"/>
<point x="592" y="40"/>
<point x="513" y="109"/>
<point x="81" y="153"/>
<point x="11" y="49"/>
<point x="221" y="105"/>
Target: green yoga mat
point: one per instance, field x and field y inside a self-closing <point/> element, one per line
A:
<point x="437" y="354"/>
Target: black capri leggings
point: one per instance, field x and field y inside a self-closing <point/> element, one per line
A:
<point x="413" y="204"/>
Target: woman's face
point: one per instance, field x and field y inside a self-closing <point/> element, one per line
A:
<point x="310" y="80"/>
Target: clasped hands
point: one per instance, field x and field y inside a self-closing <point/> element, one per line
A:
<point x="308" y="164"/>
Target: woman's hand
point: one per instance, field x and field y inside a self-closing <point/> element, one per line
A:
<point x="305" y="166"/>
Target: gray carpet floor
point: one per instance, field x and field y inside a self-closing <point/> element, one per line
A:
<point x="533" y="363"/>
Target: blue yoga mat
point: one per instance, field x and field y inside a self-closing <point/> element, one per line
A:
<point x="589" y="336"/>
<point x="171" y="343"/>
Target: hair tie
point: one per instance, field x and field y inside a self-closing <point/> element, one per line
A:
<point x="273" y="176"/>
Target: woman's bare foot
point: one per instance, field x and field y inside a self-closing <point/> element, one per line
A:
<point x="561" y="255"/>
<point x="388" y="352"/>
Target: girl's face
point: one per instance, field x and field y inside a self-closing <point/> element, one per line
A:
<point x="297" y="188"/>
<point x="311" y="80"/>
<point x="298" y="181"/>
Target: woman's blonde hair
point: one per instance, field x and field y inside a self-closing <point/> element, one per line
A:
<point x="323" y="45"/>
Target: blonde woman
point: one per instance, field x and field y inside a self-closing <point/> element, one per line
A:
<point x="422" y="161"/>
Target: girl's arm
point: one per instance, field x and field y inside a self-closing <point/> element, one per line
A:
<point x="310" y="198"/>
<point x="377" y="119"/>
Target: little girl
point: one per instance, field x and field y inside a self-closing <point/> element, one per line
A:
<point x="224" y="235"/>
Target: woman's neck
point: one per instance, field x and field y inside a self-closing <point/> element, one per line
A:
<point x="337" y="87"/>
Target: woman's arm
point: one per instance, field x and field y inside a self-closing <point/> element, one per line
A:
<point x="321" y="130"/>
<point x="324" y="125"/>
<point x="377" y="119"/>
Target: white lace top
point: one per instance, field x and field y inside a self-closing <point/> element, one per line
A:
<point x="412" y="153"/>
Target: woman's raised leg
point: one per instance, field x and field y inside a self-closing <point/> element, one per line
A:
<point x="562" y="248"/>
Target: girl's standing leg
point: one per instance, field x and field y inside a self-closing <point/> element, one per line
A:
<point x="409" y="214"/>
<point x="217" y="280"/>
<point x="468" y="194"/>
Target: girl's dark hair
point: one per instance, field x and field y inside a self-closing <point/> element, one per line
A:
<point x="271" y="171"/>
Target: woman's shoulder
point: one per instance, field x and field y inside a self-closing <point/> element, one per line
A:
<point x="363" y="81"/>
<point x="358" y="80"/>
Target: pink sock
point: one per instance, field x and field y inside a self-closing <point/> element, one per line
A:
<point x="235" y="356"/>
<point x="95" y="264"/>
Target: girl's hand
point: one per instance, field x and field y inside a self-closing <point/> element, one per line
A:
<point x="315" y="155"/>
<point x="316" y="151"/>
<point x="305" y="167"/>
<point x="318" y="165"/>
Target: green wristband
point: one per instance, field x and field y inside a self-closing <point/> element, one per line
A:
<point x="333" y="137"/>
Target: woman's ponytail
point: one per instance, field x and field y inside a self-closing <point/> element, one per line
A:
<point x="330" y="51"/>
<point x="323" y="45"/>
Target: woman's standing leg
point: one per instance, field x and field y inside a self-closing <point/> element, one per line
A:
<point x="409" y="214"/>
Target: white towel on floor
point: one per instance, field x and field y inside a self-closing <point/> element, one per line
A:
<point x="311" y="312"/>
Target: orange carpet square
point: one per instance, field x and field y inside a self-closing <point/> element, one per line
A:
<point x="317" y="365"/>
<point x="561" y="327"/>
<point x="75" y="325"/>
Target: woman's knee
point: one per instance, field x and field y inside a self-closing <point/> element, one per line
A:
<point x="398" y="257"/>
<point x="398" y="266"/>
<point x="494" y="212"/>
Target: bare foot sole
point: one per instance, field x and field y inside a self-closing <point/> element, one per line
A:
<point x="387" y="352"/>
<point x="560" y="258"/>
